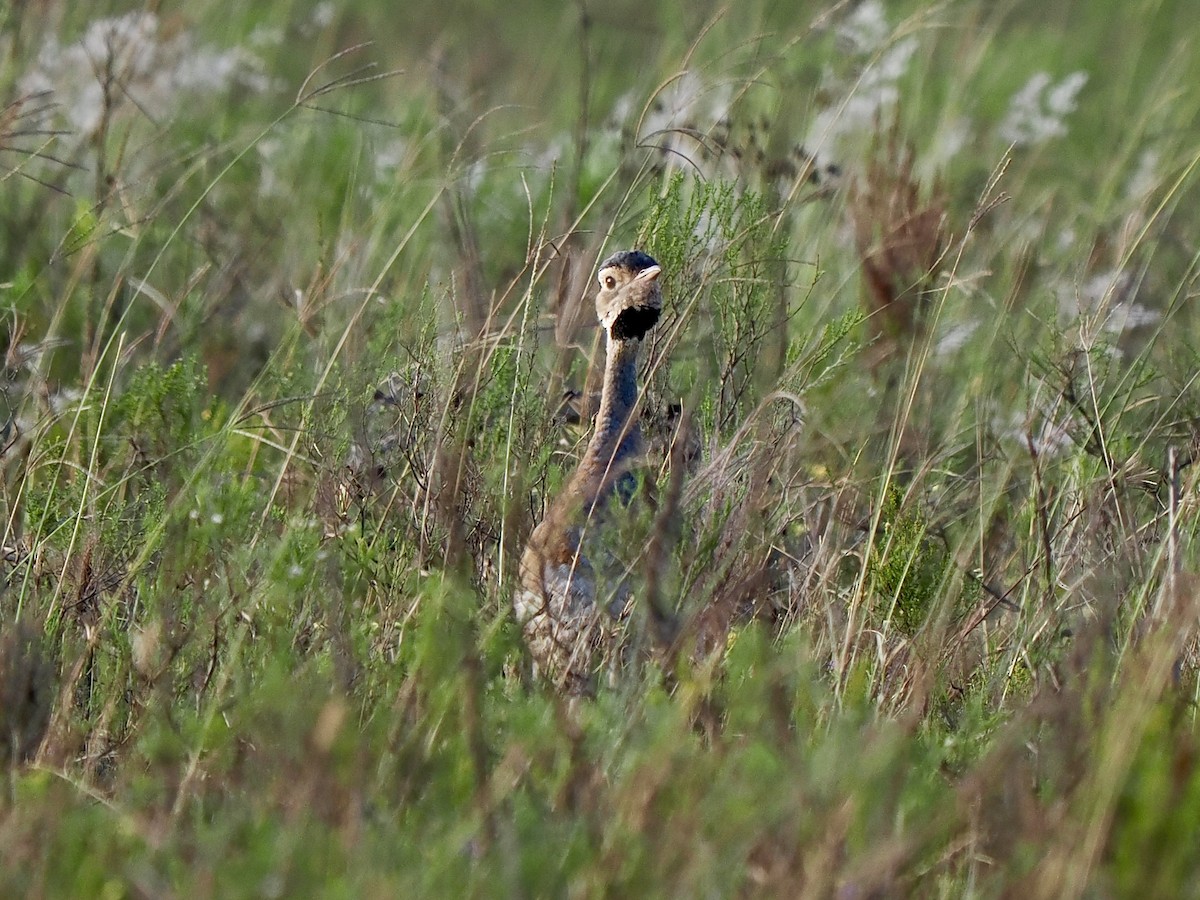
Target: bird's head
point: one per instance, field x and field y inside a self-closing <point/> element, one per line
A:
<point x="630" y="300"/>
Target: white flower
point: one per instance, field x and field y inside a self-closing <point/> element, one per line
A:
<point x="1066" y="239"/>
<point x="1049" y="439"/>
<point x="212" y="71"/>
<point x="268" y="181"/>
<point x="322" y="14"/>
<point x="266" y="36"/>
<point x="475" y="175"/>
<point x="622" y="109"/>
<point x="1127" y="316"/>
<point x="875" y="92"/>
<point x="948" y="141"/>
<point x="1145" y="177"/>
<point x="1040" y="431"/>
<point x="1095" y="294"/>
<point x="1062" y="99"/>
<point x="685" y="99"/>
<point x="686" y="103"/>
<point x="865" y="29"/>
<point x="389" y="157"/>
<point x="65" y="400"/>
<point x="1105" y="303"/>
<point x="1038" y="111"/>
<point x="545" y="159"/>
<point x="128" y="62"/>
<point x="955" y="338"/>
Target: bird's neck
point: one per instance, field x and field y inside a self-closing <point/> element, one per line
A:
<point x="617" y="439"/>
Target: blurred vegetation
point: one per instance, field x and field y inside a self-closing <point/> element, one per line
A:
<point x="293" y="300"/>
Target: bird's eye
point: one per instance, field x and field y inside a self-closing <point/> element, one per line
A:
<point x="610" y="282"/>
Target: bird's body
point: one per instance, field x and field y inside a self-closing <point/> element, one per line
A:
<point x="557" y="601"/>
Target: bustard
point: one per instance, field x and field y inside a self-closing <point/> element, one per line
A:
<point x="556" y="602"/>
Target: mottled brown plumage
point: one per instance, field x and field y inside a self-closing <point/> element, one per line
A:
<point x="556" y="602"/>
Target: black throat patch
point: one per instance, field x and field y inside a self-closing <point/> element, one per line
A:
<point x="634" y="322"/>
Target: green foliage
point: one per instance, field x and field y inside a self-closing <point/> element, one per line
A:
<point x="287" y="325"/>
<point x="1157" y="804"/>
<point x="162" y="411"/>
<point x="907" y="567"/>
<point x="728" y="262"/>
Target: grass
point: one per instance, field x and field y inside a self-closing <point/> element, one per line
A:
<point x="291" y="295"/>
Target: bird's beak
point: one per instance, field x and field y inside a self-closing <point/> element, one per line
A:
<point x="650" y="274"/>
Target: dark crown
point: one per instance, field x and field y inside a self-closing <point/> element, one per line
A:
<point x="633" y="260"/>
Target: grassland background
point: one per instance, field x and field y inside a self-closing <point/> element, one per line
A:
<point x="290" y="293"/>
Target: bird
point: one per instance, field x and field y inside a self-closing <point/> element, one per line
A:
<point x="555" y="602"/>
